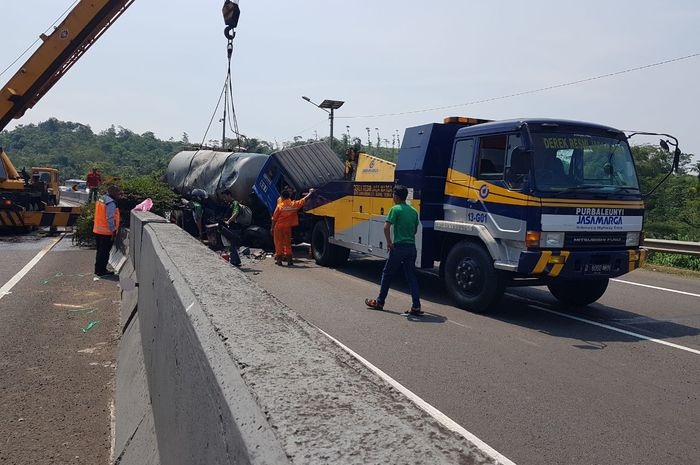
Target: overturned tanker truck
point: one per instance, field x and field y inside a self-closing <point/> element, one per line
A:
<point x="255" y="180"/>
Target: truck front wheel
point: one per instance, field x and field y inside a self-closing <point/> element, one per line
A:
<point x="578" y="293"/>
<point x="471" y="278"/>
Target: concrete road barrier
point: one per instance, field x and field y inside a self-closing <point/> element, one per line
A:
<point x="214" y="370"/>
<point x="75" y="196"/>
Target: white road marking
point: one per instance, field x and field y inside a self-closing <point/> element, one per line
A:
<point x="112" y="431"/>
<point x="5" y="289"/>
<point x="458" y="324"/>
<point x="655" y="287"/>
<point x="446" y="421"/>
<point x="619" y="330"/>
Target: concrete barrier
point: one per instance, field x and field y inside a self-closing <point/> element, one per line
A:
<point x="214" y="370"/>
<point x="75" y="196"/>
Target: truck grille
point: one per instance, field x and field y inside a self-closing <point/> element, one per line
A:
<point x="591" y="240"/>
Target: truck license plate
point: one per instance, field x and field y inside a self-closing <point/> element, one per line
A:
<point x="595" y="268"/>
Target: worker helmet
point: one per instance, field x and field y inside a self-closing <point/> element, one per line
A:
<point x="200" y="194"/>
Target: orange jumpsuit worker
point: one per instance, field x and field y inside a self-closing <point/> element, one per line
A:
<point x="284" y="219"/>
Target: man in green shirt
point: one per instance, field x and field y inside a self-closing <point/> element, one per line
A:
<point x="234" y="209"/>
<point x="402" y="250"/>
<point x="198" y="198"/>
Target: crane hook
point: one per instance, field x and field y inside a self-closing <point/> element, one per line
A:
<point x="232" y="13"/>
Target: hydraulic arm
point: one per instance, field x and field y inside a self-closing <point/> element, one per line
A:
<point x="57" y="54"/>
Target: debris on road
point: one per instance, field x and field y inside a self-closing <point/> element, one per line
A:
<point x="89" y="326"/>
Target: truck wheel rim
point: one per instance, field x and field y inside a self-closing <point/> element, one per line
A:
<point x="319" y="244"/>
<point x="468" y="275"/>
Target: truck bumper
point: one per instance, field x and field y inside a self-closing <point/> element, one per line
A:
<point x="567" y="264"/>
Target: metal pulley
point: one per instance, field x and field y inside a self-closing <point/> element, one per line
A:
<point x="232" y="13"/>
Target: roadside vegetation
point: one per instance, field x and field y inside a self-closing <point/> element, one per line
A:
<point x="137" y="161"/>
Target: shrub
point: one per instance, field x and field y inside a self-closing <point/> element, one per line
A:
<point x="679" y="261"/>
<point x="82" y="233"/>
<point x="135" y="191"/>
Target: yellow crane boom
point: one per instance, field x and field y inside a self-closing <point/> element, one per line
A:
<point x="59" y="51"/>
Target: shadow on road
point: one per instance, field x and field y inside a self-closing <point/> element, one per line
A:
<point x="515" y="308"/>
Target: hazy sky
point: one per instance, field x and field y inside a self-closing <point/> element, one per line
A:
<point x="161" y="67"/>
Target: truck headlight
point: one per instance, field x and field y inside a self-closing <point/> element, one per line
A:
<point x="632" y="239"/>
<point x="552" y="240"/>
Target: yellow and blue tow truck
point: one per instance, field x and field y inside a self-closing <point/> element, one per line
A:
<point x="509" y="203"/>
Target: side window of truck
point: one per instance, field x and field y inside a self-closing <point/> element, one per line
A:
<point x="492" y="156"/>
<point x="462" y="160"/>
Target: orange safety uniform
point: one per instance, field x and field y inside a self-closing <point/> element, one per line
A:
<point x="101" y="225"/>
<point x="285" y="218"/>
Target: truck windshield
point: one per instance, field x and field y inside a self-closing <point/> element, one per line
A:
<point x="581" y="162"/>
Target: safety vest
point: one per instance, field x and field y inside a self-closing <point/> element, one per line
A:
<point x="101" y="226"/>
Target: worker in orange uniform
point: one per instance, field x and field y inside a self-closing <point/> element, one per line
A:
<point x="106" y="228"/>
<point x="284" y="219"/>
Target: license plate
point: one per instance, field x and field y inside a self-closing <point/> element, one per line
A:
<point x="594" y="268"/>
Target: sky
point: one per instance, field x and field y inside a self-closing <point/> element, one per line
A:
<point x="162" y="65"/>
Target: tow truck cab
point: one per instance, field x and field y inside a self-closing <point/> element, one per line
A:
<point x="552" y="202"/>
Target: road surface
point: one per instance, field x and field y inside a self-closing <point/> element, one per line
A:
<point x="616" y="383"/>
<point x="58" y="337"/>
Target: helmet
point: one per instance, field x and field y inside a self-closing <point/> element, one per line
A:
<point x="200" y="194"/>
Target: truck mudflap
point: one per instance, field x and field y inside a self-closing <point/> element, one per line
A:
<point x="568" y="264"/>
<point x="52" y="217"/>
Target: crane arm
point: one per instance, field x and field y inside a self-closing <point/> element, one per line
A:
<point x="59" y="51"/>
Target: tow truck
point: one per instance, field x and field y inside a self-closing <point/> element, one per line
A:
<point x="524" y="202"/>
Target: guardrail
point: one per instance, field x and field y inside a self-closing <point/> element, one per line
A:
<point x="677" y="247"/>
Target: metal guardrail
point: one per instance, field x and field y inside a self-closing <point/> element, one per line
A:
<point x="677" y="247"/>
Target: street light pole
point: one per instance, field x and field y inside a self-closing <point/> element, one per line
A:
<point x="329" y="106"/>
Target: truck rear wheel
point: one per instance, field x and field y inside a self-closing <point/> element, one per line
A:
<point x="578" y="293"/>
<point x="471" y="278"/>
<point x="325" y="253"/>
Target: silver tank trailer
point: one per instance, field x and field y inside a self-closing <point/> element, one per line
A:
<point x="215" y="172"/>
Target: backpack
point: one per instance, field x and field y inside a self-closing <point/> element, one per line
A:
<point x="245" y="215"/>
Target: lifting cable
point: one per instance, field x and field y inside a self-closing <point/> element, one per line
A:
<point x="231" y="13"/>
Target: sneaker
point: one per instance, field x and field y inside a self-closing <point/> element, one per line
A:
<point x="416" y="311"/>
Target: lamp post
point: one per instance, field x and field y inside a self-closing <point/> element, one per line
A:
<point x="329" y="106"/>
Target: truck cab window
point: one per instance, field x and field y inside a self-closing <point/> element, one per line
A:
<point x="463" y="160"/>
<point x="492" y="155"/>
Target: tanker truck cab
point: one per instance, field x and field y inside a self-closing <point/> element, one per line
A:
<point x="533" y="202"/>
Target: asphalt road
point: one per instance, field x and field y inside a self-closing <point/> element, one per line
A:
<point x="56" y="368"/>
<point x="541" y="383"/>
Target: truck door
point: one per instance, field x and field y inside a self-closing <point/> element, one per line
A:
<point x="499" y="205"/>
<point x="459" y="182"/>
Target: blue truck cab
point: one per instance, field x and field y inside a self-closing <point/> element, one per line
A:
<point x="507" y="203"/>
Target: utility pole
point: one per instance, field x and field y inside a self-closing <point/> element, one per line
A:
<point x="369" y="141"/>
<point x="379" y="142"/>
